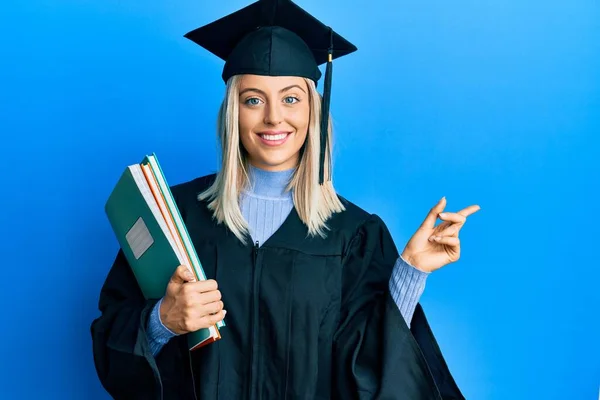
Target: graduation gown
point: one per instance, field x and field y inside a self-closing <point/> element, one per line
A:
<point x="307" y="318"/>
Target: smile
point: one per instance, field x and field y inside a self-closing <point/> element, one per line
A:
<point x="274" y="139"/>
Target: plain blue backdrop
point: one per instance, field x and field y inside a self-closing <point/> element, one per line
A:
<point x="493" y="102"/>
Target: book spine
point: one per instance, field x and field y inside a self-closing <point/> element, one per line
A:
<point x="162" y="182"/>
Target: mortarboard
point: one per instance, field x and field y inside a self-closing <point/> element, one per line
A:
<point x="276" y="38"/>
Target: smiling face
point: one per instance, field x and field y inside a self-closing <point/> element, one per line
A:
<point x="274" y="115"/>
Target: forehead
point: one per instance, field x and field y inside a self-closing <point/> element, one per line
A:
<point x="274" y="83"/>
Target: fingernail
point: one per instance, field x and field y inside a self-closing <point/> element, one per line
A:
<point x="443" y="197"/>
<point x="224" y="312"/>
<point x="443" y="215"/>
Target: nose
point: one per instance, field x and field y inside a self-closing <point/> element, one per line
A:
<point x="273" y="114"/>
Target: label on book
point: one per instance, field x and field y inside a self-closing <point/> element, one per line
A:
<point x="139" y="238"/>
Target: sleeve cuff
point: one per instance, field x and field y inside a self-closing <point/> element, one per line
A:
<point x="406" y="287"/>
<point x="158" y="333"/>
<point x="400" y="258"/>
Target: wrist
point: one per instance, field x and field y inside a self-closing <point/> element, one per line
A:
<point x="163" y="315"/>
<point x="158" y="333"/>
<point x="410" y="260"/>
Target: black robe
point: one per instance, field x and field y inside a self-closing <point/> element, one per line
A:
<point x="307" y="318"/>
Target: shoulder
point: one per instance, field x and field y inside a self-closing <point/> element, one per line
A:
<point x="357" y="224"/>
<point x="353" y="211"/>
<point x="353" y="218"/>
<point x="194" y="186"/>
<point x="368" y="236"/>
<point x="186" y="192"/>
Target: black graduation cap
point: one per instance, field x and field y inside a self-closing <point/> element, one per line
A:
<point x="276" y="38"/>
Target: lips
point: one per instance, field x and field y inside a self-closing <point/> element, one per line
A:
<point x="273" y="135"/>
<point x="273" y="138"/>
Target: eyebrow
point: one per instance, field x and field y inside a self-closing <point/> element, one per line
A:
<point x="285" y="89"/>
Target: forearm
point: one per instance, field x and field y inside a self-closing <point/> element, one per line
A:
<point x="407" y="284"/>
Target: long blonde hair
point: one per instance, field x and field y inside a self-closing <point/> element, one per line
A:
<point x="314" y="203"/>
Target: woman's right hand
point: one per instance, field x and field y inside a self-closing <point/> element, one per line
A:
<point x="189" y="305"/>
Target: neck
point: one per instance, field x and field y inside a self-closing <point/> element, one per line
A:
<point x="269" y="183"/>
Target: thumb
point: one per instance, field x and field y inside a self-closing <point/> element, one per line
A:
<point x="182" y="274"/>
<point x="433" y="214"/>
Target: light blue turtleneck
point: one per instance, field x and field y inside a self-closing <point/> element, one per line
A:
<point x="265" y="205"/>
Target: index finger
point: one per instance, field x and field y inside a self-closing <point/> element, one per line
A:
<point x="204" y="286"/>
<point x="465" y="212"/>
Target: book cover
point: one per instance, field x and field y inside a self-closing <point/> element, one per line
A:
<point x="147" y="241"/>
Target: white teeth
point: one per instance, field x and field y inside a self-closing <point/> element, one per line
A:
<point x="274" y="137"/>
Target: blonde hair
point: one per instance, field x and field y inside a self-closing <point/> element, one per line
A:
<point x="314" y="203"/>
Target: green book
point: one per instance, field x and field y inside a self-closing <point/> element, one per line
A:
<point x="188" y="246"/>
<point x="146" y="236"/>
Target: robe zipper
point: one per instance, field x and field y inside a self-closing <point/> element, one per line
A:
<point x="192" y="370"/>
<point x="253" y="313"/>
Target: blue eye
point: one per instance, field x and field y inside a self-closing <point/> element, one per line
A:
<point x="252" y="101"/>
<point x="291" y="102"/>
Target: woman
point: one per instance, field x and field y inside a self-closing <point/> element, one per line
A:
<point x="319" y="301"/>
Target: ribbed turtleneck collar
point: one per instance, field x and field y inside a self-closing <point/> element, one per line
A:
<point x="269" y="184"/>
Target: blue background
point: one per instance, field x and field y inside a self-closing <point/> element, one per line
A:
<point x="490" y="102"/>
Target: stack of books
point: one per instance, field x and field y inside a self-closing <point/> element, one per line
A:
<point x="148" y="226"/>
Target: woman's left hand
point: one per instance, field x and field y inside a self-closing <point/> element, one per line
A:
<point x="432" y="247"/>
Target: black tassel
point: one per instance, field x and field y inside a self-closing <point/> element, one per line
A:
<point x="325" y="110"/>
